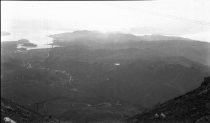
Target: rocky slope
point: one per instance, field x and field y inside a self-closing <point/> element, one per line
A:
<point x="16" y="113"/>
<point x="193" y="106"/>
<point x="12" y="110"/>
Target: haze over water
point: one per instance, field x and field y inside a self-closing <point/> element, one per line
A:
<point x="34" y="20"/>
<point x="41" y="38"/>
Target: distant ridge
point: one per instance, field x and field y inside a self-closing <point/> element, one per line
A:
<point x="112" y="35"/>
<point x="194" y="50"/>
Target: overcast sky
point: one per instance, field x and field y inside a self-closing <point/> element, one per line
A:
<point x="189" y="18"/>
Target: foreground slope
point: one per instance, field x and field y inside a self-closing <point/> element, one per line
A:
<point x="193" y="106"/>
<point x="18" y="113"/>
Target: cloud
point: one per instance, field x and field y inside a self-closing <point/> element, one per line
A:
<point x="172" y="29"/>
<point x="4" y="33"/>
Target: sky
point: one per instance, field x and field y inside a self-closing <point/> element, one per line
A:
<point x="186" y="18"/>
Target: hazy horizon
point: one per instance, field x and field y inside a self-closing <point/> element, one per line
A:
<point x="34" y="20"/>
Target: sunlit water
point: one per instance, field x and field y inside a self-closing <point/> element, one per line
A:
<point x="41" y="39"/>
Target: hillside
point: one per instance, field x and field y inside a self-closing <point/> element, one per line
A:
<point x="193" y="106"/>
<point x="113" y="80"/>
